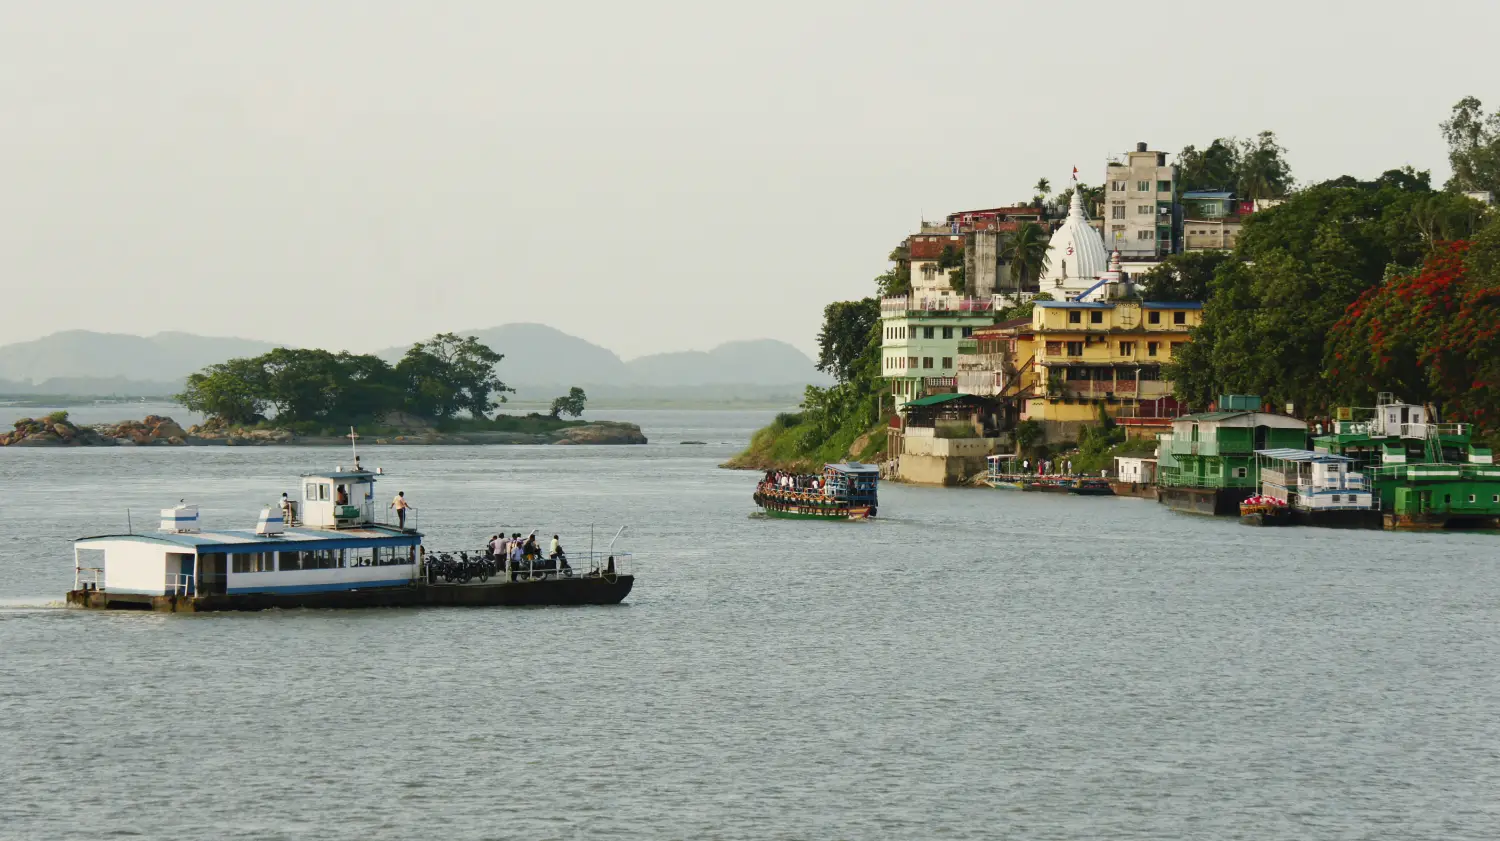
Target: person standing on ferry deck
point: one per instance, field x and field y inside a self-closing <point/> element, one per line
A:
<point x="401" y="505"/>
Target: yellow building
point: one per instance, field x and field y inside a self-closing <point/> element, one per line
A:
<point x="1076" y="357"/>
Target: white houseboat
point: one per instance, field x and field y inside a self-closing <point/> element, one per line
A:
<point x="325" y="549"/>
<point x="1317" y="488"/>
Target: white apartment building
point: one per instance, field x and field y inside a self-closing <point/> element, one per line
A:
<point x="1141" y="217"/>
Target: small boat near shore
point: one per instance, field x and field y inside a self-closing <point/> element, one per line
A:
<point x="844" y="491"/>
<point x="1265" y="511"/>
<point x="325" y="549"/>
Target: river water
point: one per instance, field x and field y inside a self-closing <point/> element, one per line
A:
<point x="977" y="664"/>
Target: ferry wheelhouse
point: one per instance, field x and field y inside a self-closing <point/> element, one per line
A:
<point x="331" y="546"/>
<point x="1422" y="474"/>
<point x="848" y="491"/>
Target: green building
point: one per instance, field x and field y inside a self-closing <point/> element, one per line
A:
<point x="1424" y="474"/>
<point x="1207" y="463"/>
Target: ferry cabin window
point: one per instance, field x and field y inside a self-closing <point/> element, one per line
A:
<point x="1335" y="497"/>
<point x="310" y="492"/>
<point x="291" y="560"/>
<point x="325" y="559"/>
<point x="253" y="562"/>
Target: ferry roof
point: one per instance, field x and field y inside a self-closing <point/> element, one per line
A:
<point x="1287" y="454"/>
<point x="246" y="540"/>
<point x="341" y="474"/>
<point x="853" y="467"/>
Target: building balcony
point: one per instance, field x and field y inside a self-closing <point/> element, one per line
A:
<point x="935" y="305"/>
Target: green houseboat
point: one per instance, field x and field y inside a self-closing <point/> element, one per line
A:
<point x="1424" y="475"/>
<point x="1207" y="463"/>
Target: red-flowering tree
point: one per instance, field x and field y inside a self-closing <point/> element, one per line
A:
<point x="1430" y="337"/>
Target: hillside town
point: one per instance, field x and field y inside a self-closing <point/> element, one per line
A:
<point x="989" y="336"/>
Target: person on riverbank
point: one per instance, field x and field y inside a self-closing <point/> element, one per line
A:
<point x="401" y="506"/>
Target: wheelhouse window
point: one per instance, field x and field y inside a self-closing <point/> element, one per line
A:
<point x="253" y="562"/>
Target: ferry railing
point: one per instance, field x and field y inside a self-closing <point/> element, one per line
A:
<point x="78" y="578"/>
<point x="180" y="584"/>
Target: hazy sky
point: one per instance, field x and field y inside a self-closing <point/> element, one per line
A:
<point x="649" y="175"/>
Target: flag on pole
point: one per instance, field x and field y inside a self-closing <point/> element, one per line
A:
<point x="1075" y="173"/>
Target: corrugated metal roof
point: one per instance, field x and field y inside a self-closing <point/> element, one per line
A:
<point x="1288" y="454"/>
<point x="241" y="537"/>
<point x="1208" y="194"/>
<point x="1076" y="305"/>
<point x="1171" y="305"/>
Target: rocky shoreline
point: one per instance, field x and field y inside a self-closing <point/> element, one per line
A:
<point x="157" y="431"/>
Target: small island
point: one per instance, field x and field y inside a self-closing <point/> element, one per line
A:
<point x="442" y="391"/>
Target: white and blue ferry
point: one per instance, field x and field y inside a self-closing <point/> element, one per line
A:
<point x="330" y="545"/>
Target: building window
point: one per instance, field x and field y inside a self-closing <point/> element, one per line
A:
<point x="1153" y="317"/>
<point x="926" y="362"/>
<point x="929" y="270"/>
<point x="1075" y="317"/>
<point x="947" y="332"/>
<point x="947" y="362"/>
<point x="1145" y="234"/>
<point x="968" y="331"/>
<point x="1096" y="317"/>
<point x="1164" y="186"/>
<point x="1335" y="497"/>
<point x="1471" y="497"/>
<point x="1117" y="210"/>
<point x="1054" y="348"/>
<point x="1127" y="348"/>
<point x="1151" y="374"/>
<point x="1151" y="348"/>
<point x="1239" y="472"/>
<point x="1117" y="229"/>
<point x="911" y="362"/>
<point x="1117" y="186"/>
<point x="253" y="562"/>
<point x="927" y="332"/>
<point x="1075" y="348"/>
<point x="1145" y="209"/>
<point x="1143" y="186"/>
<point x="1179" y="317"/>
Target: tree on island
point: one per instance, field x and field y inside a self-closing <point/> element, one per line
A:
<point x="572" y="404"/>
<point x="436" y="379"/>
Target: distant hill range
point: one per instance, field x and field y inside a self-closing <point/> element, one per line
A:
<point x="540" y="362"/>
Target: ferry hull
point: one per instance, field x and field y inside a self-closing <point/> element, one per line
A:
<point x="1439" y="522"/>
<point x="829" y="514"/>
<point x="1135" y="489"/>
<point x="559" y="592"/>
<point x="1221" y="502"/>
<point x="1369" y="519"/>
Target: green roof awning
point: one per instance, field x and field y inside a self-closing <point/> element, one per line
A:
<point x="935" y="399"/>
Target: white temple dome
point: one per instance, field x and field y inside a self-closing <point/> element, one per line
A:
<point x="1075" y="256"/>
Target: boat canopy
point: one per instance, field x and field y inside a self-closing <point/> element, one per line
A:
<point x="852" y="467"/>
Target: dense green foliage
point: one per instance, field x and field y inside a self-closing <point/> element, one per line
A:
<point x="832" y="418"/>
<point x="1298" y="267"/>
<point x="1473" y="146"/>
<point x="1183" y="277"/>
<point x="1252" y="169"/>
<point x="436" y="379"/>
<point x="1026" y="252"/>
<point x="570" y="404"/>
<point x="1432" y="336"/>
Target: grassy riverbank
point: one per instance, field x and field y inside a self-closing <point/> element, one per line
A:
<point x="792" y="442"/>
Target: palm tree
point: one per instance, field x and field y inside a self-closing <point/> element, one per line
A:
<point x="1026" y="252"/>
<point x="1043" y="186"/>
